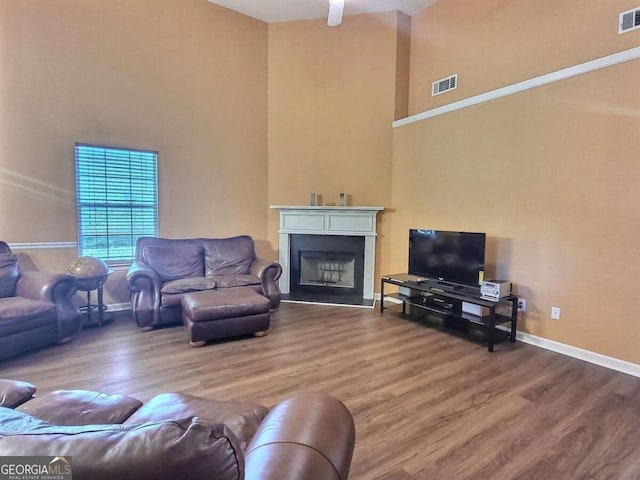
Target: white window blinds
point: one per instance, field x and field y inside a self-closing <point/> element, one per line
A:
<point x="117" y="200"/>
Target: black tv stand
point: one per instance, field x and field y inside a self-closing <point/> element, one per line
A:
<point x="445" y="301"/>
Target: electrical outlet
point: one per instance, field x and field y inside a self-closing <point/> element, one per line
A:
<point x="522" y="305"/>
<point x="555" y="313"/>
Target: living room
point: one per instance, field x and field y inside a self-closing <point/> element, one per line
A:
<point x="246" y="114"/>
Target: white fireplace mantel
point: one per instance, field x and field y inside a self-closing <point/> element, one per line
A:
<point x="325" y="220"/>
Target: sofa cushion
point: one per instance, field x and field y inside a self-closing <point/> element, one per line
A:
<point x="181" y="260"/>
<point x="180" y="448"/>
<point x="192" y="284"/>
<point x="15" y="392"/>
<point x="240" y="280"/>
<point x="242" y="418"/>
<point x="9" y="274"/>
<point x="228" y="255"/>
<point x="173" y="299"/>
<point x="81" y="407"/>
<point x="18" y="314"/>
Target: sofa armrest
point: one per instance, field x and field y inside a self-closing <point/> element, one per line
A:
<point x="49" y="287"/>
<point x="145" y="285"/>
<point x="268" y="272"/>
<point x="139" y="274"/>
<point x="57" y="288"/>
<point x="309" y="435"/>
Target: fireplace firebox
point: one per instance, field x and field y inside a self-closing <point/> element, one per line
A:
<point x="327" y="269"/>
<point x="326" y="265"/>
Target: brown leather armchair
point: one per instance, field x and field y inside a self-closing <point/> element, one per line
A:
<point x="35" y="307"/>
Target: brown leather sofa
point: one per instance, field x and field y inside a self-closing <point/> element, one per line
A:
<point x="35" y="307"/>
<point x="166" y="269"/>
<point x="306" y="436"/>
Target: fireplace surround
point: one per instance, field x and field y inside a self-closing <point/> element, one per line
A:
<point x="337" y="247"/>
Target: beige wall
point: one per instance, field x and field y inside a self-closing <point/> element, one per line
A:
<point x="186" y="78"/>
<point x="332" y="98"/>
<point x="549" y="174"/>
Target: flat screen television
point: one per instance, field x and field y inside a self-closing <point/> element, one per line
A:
<point x="453" y="257"/>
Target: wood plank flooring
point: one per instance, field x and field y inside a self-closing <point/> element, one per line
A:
<point x="427" y="404"/>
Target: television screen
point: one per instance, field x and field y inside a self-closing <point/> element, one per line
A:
<point x="456" y="257"/>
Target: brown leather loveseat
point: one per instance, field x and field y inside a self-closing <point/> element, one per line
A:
<point x="166" y="269"/>
<point x="35" y="307"/>
<point x="176" y="436"/>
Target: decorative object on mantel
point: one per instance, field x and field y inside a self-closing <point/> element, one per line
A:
<point x="313" y="199"/>
<point x="342" y="199"/>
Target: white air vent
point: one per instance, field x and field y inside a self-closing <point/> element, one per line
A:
<point x="629" y="20"/>
<point x="444" y="85"/>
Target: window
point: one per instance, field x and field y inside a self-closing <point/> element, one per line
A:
<point x="117" y="200"/>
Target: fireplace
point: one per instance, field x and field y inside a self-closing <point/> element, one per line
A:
<point x="326" y="265"/>
<point x="327" y="254"/>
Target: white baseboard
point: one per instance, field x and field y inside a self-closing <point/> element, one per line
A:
<point x="581" y="354"/>
<point x="570" y="351"/>
<point x="329" y="304"/>
<point x="376" y="297"/>
<point x="119" y="307"/>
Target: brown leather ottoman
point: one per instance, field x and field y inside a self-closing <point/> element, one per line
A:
<point x="224" y="313"/>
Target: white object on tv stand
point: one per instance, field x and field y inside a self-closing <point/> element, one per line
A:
<point x="359" y="221"/>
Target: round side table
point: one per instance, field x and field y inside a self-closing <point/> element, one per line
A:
<point x="88" y="284"/>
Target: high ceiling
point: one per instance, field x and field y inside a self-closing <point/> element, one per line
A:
<point x="287" y="10"/>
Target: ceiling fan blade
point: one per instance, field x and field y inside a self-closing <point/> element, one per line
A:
<point x="336" y="8"/>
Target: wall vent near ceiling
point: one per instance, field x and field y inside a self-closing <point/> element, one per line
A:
<point x="444" y="85"/>
<point x="629" y="20"/>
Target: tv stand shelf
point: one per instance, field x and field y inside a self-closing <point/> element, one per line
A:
<point x="446" y="300"/>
